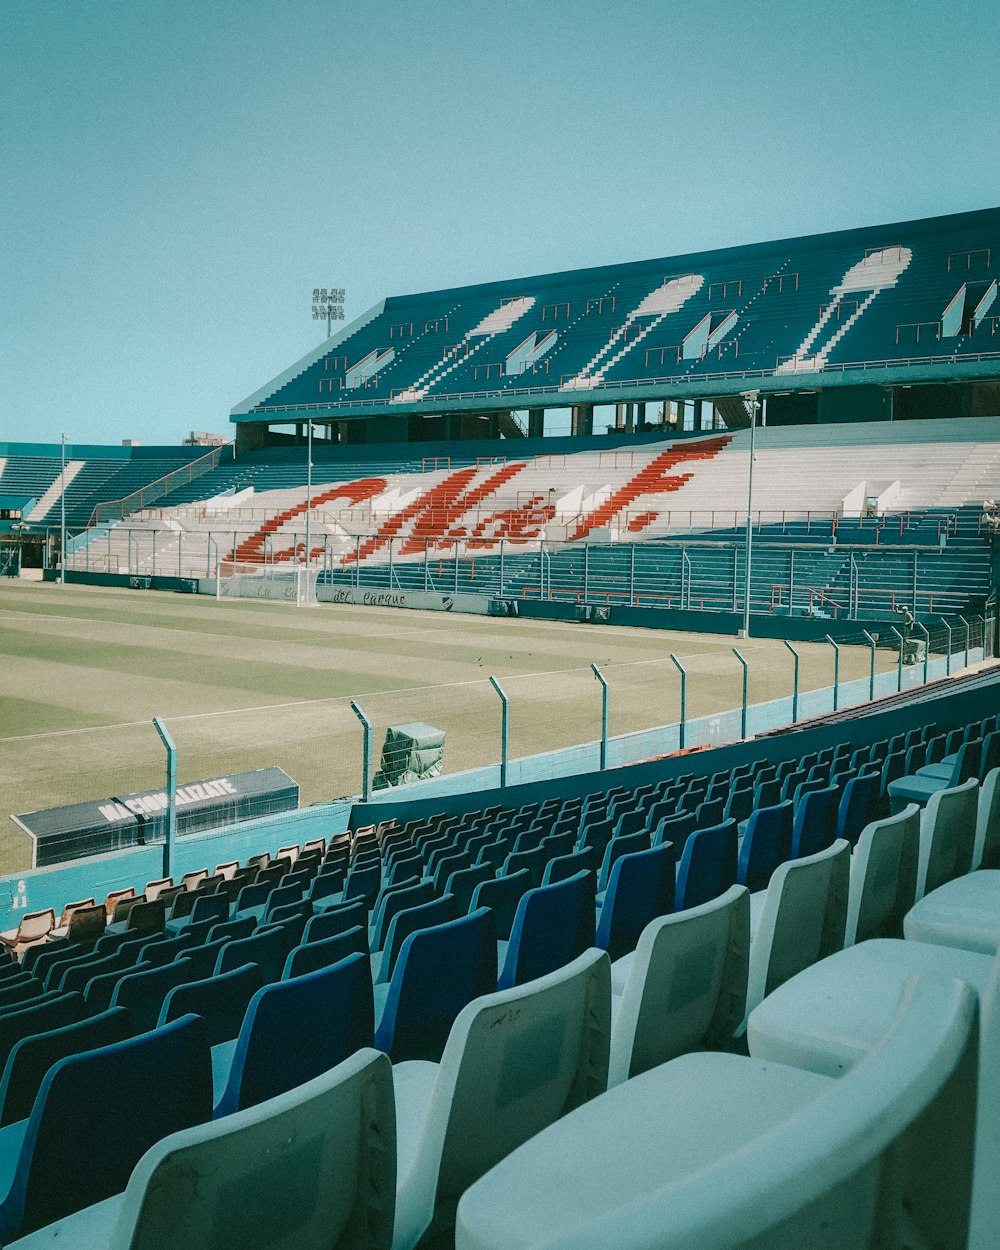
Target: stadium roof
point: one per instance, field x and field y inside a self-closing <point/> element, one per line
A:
<point x="905" y="302"/>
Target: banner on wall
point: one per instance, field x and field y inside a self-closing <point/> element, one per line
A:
<point x="60" y="834"/>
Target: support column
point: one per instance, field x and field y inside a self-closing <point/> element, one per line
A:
<point x="583" y="420"/>
<point x="536" y="422"/>
<point x="640" y="415"/>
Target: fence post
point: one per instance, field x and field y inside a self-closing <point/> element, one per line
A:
<point x="586" y="572"/>
<point x="604" y="715"/>
<point x="684" y="684"/>
<point x="357" y="561"/>
<point x="390" y="562"/>
<point x="743" y="711"/>
<point x="501" y="566"/>
<point x="947" y="662"/>
<point x="927" y="645"/>
<point x="631" y="576"/>
<point x="795" y="682"/>
<point x="871" y="671"/>
<point x="836" y="671"/>
<point x="170" y="831"/>
<point x="966" y="624"/>
<point x="983" y="619"/>
<point x="366" y="778"/>
<point x="456" y="566"/>
<point x="899" y="665"/>
<point x="504" y="729"/>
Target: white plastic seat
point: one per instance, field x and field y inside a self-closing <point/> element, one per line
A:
<point x="719" y="1152"/>
<point x="515" y="1061"/>
<point x="684" y="986"/>
<point x="831" y="1016"/>
<point x="947" y="836"/>
<point x="801" y="918"/>
<point x="313" y="1169"/>
<point x="883" y="876"/>
<point x="986" y="852"/>
<point x="964" y="912"/>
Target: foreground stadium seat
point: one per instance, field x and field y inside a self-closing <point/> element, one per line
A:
<point x="964" y="912"/>
<point x="164" y="1074"/>
<point x="723" y="1151"/>
<point x="294" y="1031"/>
<point x="883" y="877"/>
<point x="986" y="851"/>
<point x="515" y="1062"/>
<point x="947" y="836"/>
<point x="800" y="919"/>
<point x="659" y="1010"/>
<point x="216" y="1185"/>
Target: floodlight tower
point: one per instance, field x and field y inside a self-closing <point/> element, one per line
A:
<point x="328" y="305"/>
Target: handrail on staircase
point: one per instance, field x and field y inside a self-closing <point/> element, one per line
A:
<point x="117" y="509"/>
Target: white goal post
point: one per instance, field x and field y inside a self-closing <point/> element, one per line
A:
<point x="295" y="583"/>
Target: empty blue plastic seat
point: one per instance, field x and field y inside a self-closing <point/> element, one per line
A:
<point x="32" y="1057"/>
<point x="326" y="883"/>
<point x="501" y="895"/>
<point x="707" y="865"/>
<point x="220" y="1000"/>
<point x="266" y="947"/>
<point x="393" y="901"/>
<point x="142" y="1089"/>
<point x="334" y="920"/>
<point x="39" y="1016"/>
<point x="767" y="842"/>
<point x="620" y="844"/>
<point x="200" y="961"/>
<point x="640" y="888"/>
<point x="166" y="950"/>
<point x="439" y="971"/>
<point x="461" y="884"/>
<point x="405" y="922"/>
<point x="553" y="924"/>
<point x="859" y="806"/>
<point x="314" y="955"/>
<point x="294" y="1031"/>
<point x="563" y="866"/>
<point x="815" y="824"/>
<point x="238" y="927"/>
<point x="142" y="993"/>
<point x="533" y="861"/>
<point x="676" y="829"/>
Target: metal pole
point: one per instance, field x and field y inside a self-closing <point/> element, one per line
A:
<point x="62" y="516"/>
<point x="366" y="778"/>
<point x="456" y="566"/>
<point x="927" y="645"/>
<point x="947" y="662"/>
<point x="427" y="567"/>
<point x="171" y="829"/>
<point x="504" y="729"/>
<point x="899" y="665"/>
<point x="357" y="562"/>
<point x="754" y="397"/>
<point x="501" y="567"/>
<point x="836" y="671"/>
<point x="966" y="624"/>
<point x="795" y="682"/>
<point x="684" y="682"/>
<point x="983" y="619"/>
<point x="746" y="674"/>
<point x="871" y="673"/>
<point x="586" y="572"/>
<point x="604" y="715"/>
<point x="309" y="483"/>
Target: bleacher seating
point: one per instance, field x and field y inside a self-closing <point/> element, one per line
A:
<point x="251" y="970"/>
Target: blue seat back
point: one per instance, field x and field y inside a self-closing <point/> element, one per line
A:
<point x="38" y="1016"/>
<point x="408" y="921"/>
<point x="461" y="884"/>
<point x="563" y="866"/>
<point x="200" y="961"/>
<point x="438" y="972"/>
<point x="213" y="907"/>
<point x="815" y="825"/>
<point x="239" y="927"/>
<point x="266" y="947"/>
<point x="32" y="1057"/>
<point x="990" y="757"/>
<point x="221" y="1000"/>
<point x="970" y="753"/>
<point x="325" y="883"/>
<point x="533" y="861"/>
<point x="707" y="866"/>
<point x="620" y="844"/>
<point x="166" y="950"/>
<point x="137" y="1092"/>
<point x="253" y="896"/>
<point x="766" y="844"/>
<point x="502" y="895"/>
<point x="859" y="806"/>
<point x="640" y="888"/>
<point x="676" y="829"/>
<point x="281" y="896"/>
<point x="553" y="924"/>
<point x="330" y="1014"/>
<point x="311" y="956"/>
<point x="396" y="900"/>
<point x="363" y="883"/>
<point x="142" y="993"/>
<point x="335" y="920"/>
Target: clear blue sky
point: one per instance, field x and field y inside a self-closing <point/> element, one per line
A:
<point x="177" y="175"/>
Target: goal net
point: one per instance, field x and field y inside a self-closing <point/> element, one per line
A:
<point x="292" y="583"/>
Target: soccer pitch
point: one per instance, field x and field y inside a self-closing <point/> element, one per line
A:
<point x="244" y="685"/>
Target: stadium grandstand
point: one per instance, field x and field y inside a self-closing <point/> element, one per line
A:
<point x="731" y="984"/>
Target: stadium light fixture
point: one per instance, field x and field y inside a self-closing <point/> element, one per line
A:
<point x="328" y="305"/>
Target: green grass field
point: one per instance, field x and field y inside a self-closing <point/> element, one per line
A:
<point x="244" y="685"/>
